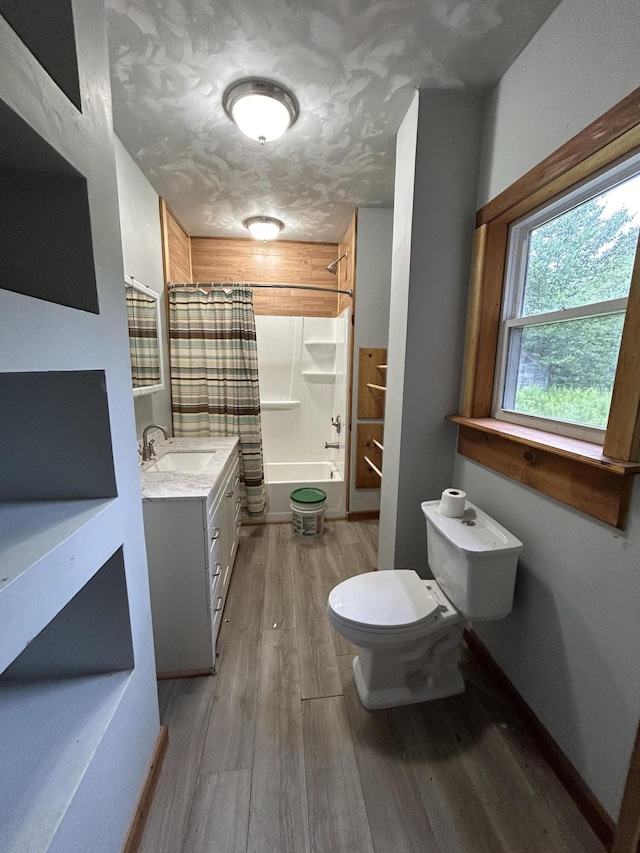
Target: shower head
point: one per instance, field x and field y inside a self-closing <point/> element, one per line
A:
<point x="333" y="266"/>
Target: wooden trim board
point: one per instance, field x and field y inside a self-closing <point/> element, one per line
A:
<point x="580" y="793"/>
<point x="141" y="812"/>
<point x="601" y="490"/>
<point x="613" y="135"/>
<point x="364" y="515"/>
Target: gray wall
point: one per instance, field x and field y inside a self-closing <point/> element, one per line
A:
<point x="371" y="328"/>
<point x="571" y="644"/>
<point x="139" y="210"/>
<point x="434" y="207"/>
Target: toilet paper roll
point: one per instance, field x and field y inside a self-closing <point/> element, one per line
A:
<point x="452" y="503"/>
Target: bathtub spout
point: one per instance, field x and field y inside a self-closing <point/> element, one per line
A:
<point x="329" y="444"/>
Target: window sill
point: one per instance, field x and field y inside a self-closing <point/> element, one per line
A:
<point x="573" y="472"/>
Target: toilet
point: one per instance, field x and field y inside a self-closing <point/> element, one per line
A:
<point x="409" y="630"/>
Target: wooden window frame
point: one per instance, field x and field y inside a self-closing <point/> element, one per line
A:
<point x="593" y="479"/>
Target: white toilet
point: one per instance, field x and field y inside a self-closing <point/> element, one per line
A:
<point x="409" y="630"/>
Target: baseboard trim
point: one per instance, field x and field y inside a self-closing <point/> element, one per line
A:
<point x="365" y="515"/>
<point x="592" y="811"/>
<point x="141" y="813"/>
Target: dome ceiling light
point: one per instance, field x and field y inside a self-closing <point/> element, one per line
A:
<point x="262" y="110"/>
<point x="263" y="227"/>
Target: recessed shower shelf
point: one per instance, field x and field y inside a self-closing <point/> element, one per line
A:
<point x="320" y="375"/>
<point x="278" y="405"/>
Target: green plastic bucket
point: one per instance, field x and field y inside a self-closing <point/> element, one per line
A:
<point x="308" y="507"/>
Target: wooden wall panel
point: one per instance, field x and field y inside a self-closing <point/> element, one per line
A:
<point x="176" y="248"/>
<point x="277" y="262"/>
<point x="347" y="268"/>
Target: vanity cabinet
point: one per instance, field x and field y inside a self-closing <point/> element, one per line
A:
<point x="191" y="547"/>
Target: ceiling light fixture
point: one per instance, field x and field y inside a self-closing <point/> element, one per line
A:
<point x="261" y="109"/>
<point x="263" y="227"/>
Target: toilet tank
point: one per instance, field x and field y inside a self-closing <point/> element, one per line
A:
<point x="473" y="559"/>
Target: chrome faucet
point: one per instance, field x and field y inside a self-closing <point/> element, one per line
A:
<point x="329" y="444"/>
<point x="148" y="451"/>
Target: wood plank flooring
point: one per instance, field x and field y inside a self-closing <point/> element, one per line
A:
<point x="276" y="754"/>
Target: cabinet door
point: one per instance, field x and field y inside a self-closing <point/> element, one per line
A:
<point x="180" y="588"/>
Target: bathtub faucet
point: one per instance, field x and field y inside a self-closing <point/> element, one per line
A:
<point x="329" y="444"/>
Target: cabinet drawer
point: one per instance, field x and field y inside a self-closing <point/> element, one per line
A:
<point x="216" y="618"/>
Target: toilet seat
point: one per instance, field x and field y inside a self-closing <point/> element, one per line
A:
<point x="395" y="601"/>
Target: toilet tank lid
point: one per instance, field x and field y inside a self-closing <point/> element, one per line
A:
<point x="475" y="533"/>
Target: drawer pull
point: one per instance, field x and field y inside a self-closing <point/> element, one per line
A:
<point x="215" y="534"/>
<point x="218" y="605"/>
<point x="218" y="570"/>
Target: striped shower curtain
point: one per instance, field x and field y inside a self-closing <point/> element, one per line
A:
<point x="214" y="376"/>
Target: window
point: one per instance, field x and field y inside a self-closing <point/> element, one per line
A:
<point x="553" y="324"/>
<point x="569" y="268"/>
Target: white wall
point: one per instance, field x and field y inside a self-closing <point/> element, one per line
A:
<point x="371" y="328"/>
<point x="436" y="179"/>
<point x="142" y="255"/>
<point x="571" y="644"/>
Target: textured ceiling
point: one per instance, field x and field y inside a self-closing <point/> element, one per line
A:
<point x="353" y="66"/>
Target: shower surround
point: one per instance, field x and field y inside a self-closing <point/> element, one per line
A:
<point x="303" y="368"/>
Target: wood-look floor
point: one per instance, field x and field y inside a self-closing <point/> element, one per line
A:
<point x="277" y="755"/>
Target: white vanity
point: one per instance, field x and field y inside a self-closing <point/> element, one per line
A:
<point x="191" y="504"/>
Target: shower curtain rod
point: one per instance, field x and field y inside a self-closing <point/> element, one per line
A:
<point x="246" y="284"/>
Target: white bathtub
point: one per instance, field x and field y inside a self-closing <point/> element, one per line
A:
<point x="283" y="477"/>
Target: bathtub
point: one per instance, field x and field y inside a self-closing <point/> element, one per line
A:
<point x="283" y="477"/>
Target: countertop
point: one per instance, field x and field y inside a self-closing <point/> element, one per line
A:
<point x="167" y="485"/>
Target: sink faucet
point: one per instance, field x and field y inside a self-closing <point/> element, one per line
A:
<point x="148" y="451"/>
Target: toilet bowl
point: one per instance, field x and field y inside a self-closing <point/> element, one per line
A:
<point x="409" y="630"/>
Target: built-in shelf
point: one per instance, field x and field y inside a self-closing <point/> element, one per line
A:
<point x="49" y="732"/>
<point x="376" y="387"/>
<point x="47" y="30"/>
<point x="329" y="345"/>
<point x="55" y="442"/>
<point x="377" y="444"/>
<point x="45" y="244"/>
<point x="381" y="366"/>
<point x="278" y="405"/>
<point x="57" y="698"/>
<point x="48" y="551"/>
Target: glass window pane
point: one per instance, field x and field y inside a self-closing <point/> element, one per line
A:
<point x="584" y="255"/>
<point x="564" y="370"/>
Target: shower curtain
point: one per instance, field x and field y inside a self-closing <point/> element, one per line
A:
<point x="214" y="376"/>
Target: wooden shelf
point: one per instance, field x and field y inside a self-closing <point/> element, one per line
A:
<point x="371" y="365"/>
<point x="368" y="456"/>
<point x="373" y="467"/>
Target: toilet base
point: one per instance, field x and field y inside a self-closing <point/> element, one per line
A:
<point x="415" y="689"/>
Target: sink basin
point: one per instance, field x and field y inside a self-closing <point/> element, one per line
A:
<point x="186" y="463"/>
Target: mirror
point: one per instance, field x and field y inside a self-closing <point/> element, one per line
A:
<point x="143" y="317"/>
